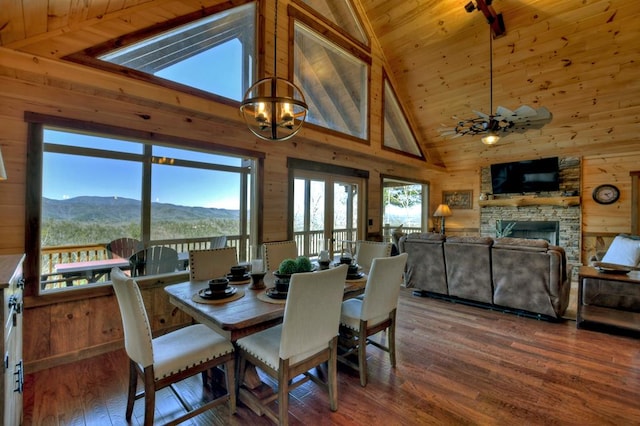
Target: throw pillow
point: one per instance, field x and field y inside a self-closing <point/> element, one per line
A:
<point x="623" y="251"/>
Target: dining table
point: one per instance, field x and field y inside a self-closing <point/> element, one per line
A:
<point x="241" y="316"/>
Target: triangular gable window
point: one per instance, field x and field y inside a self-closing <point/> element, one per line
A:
<point x="215" y="54"/>
<point x="396" y="131"/>
<point x="342" y="15"/>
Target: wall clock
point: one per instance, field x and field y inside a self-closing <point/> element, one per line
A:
<point x="606" y="194"/>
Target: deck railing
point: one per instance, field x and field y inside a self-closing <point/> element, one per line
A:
<point x="309" y="244"/>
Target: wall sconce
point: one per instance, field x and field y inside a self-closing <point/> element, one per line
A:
<point x="3" y="171"/>
<point x="442" y="212"/>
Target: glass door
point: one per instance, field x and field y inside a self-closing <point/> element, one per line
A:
<point x="326" y="212"/>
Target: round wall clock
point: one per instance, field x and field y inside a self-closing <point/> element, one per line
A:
<point x="606" y="194"/>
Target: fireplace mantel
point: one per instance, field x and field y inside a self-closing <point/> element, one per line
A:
<point x="531" y="201"/>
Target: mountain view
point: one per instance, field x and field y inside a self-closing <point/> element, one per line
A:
<point x="97" y="220"/>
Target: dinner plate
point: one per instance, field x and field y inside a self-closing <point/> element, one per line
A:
<point x="205" y="293"/>
<point x="275" y="294"/>
<point x="244" y="277"/>
<point x="605" y="270"/>
<point x="355" y="276"/>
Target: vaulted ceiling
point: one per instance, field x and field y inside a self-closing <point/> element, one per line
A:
<point x="578" y="58"/>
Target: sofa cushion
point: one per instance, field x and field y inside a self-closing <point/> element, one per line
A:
<point x="485" y="241"/>
<point x="624" y="250"/>
<point x="524" y="244"/>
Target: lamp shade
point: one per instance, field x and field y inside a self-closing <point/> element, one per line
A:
<point x="443" y="210"/>
<point x="491" y="138"/>
<point x="3" y="171"/>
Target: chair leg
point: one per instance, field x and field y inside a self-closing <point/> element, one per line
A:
<point x="283" y="393"/>
<point x="133" y="385"/>
<point x="230" y="378"/>
<point x="149" y="396"/>
<point x="362" y="353"/>
<point x="332" y="379"/>
<point x="392" y="343"/>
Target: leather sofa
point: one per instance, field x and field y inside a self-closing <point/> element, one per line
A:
<point x="524" y="276"/>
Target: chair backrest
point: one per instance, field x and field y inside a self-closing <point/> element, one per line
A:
<point x="154" y="260"/>
<point x="276" y="252"/>
<point x="137" y="331"/>
<point x="209" y="264"/>
<point x="312" y="312"/>
<point x="123" y="247"/>
<point x="218" y="242"/>
<point x="366" y="251"/>
<point x="383" y="287"/>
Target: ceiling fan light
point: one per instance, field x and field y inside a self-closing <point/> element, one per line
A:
<point x="491" y="138"/>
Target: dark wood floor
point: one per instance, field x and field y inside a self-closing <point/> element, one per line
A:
<point x="456" y="365"/>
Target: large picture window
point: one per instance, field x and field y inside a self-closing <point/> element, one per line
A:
<point x="335" y="83"/>
<point x="99" y="189"/>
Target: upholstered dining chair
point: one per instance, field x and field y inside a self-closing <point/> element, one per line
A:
<point x="154" y="260"/>
<point x="211" y="263"/>
<point x="170" y="358"/>
<point x="275" y="252"/>
<point x="366" y="251"/>
<point x="375" y="312"/>
<point x="307" y="338"/>
<point x="123" y="247"/>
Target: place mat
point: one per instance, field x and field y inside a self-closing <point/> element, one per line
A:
<point x="238" y="294"/>
<point x="263" y="296"/>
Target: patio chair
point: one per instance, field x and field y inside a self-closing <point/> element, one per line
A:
<point x="124" y="247"/>
<point x="154" y="260"/>
<point x="306" y="339"/>
<point x="170" y="358"/>
<point x="366" y="251"/>
<point x="375" y="312"/>
<point x="218" y="242"/>
<point x="276" y="252"/>
<point x="214" y="263"/>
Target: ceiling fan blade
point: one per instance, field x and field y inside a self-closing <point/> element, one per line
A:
<point x="483" y="115"/>
<point x="504" y="112"/>
<point x="525" y="111"/>
<point x="543" y="113"/>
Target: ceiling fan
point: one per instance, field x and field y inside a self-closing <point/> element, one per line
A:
<point x="504" y="121"/>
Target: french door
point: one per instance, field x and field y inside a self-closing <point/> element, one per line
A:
<point x="327" y="212"/>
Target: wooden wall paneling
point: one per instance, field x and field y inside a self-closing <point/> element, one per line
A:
<point x="105" y="323"/>
<point x="36" y="336"/>
<point x="69" y="327"/>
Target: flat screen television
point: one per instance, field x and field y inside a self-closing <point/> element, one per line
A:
<point x="525" y="176"/>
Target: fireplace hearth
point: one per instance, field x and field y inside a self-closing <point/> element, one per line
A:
<point x="546" y="230"/>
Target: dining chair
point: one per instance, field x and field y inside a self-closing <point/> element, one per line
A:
<point x="211" y="263"/>
<point x="275" y="252"/>
<point x="123" y="247"/>
<point x="154" y="260"/>
<point x="307" y="338"/>
<point x="165" y="360"/>
<point x="375" y="312"/>
<point x="218" y="242"/>
<point x="366" y="251"/>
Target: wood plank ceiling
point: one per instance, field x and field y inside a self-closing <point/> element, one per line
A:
<point x="578" y="58"/>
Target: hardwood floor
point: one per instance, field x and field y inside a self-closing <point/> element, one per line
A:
<point x="456" y="365"/>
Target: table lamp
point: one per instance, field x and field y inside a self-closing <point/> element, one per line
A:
<point x="442" y="212"/>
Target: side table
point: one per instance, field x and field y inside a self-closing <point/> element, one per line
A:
<point x="609" y="302"/>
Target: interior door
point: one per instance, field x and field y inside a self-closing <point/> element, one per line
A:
<point x="327" y="212"/>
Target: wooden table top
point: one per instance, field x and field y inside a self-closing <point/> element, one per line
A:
<point x="92" y="265"/>
<point x="591" y="272"/>
<point x="239" y="317"/>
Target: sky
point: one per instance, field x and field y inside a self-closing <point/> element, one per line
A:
<point x="68" y="176"/>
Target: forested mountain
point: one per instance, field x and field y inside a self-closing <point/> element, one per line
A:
<point x="118" y="210"/>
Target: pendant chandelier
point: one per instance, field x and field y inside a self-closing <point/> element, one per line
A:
<point x="274" y="108"/>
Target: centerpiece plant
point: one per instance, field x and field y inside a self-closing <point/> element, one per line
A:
<point x="292" y="266"/>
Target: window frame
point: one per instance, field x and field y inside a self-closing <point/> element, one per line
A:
<point x="89" y="56"/>
<point x="425" y="215"/>
<point x="36" y="123"/>
<point x="325" y="32"/>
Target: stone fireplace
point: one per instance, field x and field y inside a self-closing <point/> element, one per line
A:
<point x="558" y="224"/>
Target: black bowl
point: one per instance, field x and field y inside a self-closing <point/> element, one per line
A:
<point x="238" y="271"/>
<point x="282" y="287"/>
<point x="346" y="260"/>
<point x="218" y="285"/>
